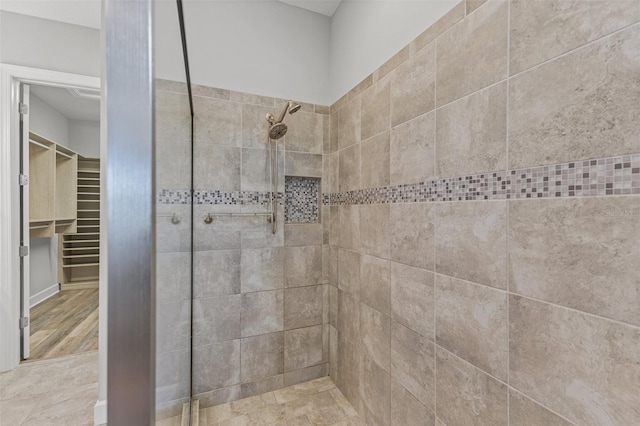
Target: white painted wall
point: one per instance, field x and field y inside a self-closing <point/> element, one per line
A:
<point x="84" y="137"/>
<point x="50" y="45"/>
<point x="262" y="47"/>
<point x="365" y="34"/>
<point x="48" y="122"/>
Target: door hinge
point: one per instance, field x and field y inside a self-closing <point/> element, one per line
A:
<point x="24" y="109"/>
<point x="24" y="180"/>
<point x="23" y="251"/>
<point x="24" y="322"/>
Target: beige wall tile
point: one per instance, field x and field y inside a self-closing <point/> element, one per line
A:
<point x="375" y="335"/>
<point x="375" y="392"/>
<point x="217" y="121"/>
<point x="349" y="272"/>
<point x="581" y="253"/>
<point x="348" y="317"/>
<point x="471" y="241"/>
<point x="214" y="273"/>
<point x="255" y="126"/>
<point x="375" y="109"/>
<point x="302" y="234"/>
<point x="413" y="86"/>
<point x="412" y="298"/>
<point x="261" y="356"/>
<point x="262" y="269"/>
<point x="215" y="319"/>
<point x="218" y="366"/>
<point x="303" y="306"/>
<point x="412" y="234"/>
<point x="349" y="124"/>
<point x="349" y="227"/>
<point x="256" y="171"/>
<point x="262" y="312"/>
<point x="374" y="229"/>
<point x="472" y="323"/>
<point x="474" y="4"/>
<point x="466" y="395"/>
<point x="349" y="372"/>
<point x="582" y="367"/>
<point x="481" y="40"/>
<point x="582" y="105"/>
<point x="413" y="150"/>
<point x="302" y="348"/>
<point x="334" y="177"/>
<point x="333" y="306"/>
<point x="375" y="283"/>
<point x="523" y="411"/>
<point x="375" y="157"/>
<point x="406" y="410"/>
<point x="456" y="14"/>
<point x="301" y="164"/>
<point x="349" y="168"/>
<point x="216" y="167"/>
<point x="302" y="266"/>
<point x="543" y="30"/>
<point x="172" y="162"/>
<point x="413" y="364"/>
<point x="392" y="63"/>
<point x="472" y="133"/>
<point x="305" y="132"/>
<point x="333" y="133"/>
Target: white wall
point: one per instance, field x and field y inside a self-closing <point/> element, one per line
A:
<point x="51" y="45"/>
<point x="262" y="47"/>
<point x="84" y="137"/>
<point x="48" y="122"/>
<point x="365" y="34"/>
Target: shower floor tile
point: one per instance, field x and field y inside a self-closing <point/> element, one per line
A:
<point x="318" y="402"/>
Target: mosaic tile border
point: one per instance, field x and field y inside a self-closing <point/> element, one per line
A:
<point x="618" y="175"/>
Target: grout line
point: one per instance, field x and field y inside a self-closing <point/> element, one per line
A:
<point x="507" y="218"/>
<point x="511" y="388"/>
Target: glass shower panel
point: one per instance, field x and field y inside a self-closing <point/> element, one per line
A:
<point x="173" y="160"/>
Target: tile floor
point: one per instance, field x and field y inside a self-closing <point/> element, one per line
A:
<point x="58" y="392"/>
<point x="318" y="402"/>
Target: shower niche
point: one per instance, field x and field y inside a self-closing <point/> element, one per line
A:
<point x="302" y="199"/>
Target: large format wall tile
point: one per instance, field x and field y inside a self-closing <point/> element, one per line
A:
<point x="473" y="54"/>
<point x="413" y="364"/>
<point x="375" y="283"/>
<point x="582" y="253"/>
<point x="216" y="273"/>
<point x="374" y="229"/>
<point x="467" y="396"/>
<point x="582" y="367"/>
<point x="216" y="167"/>
<point x="303" y="164"/>
<point x="412" y="298"/>
<point x="255" y="170"/>
<point x="217" y="121"/>
<point x="376" y="108"/>
<point x="348" y="317"/>
<point x="472" y="323"/>
<point x="375" y="392"/>
<point x="542" y="30"/>
<point x="374" y="153"/>
<point x="302" y="266"/>
<point x="579" y="106"/>
<point x="302" y="348"/>
<point x="349" y="272"/>
<point x="349" y="124"/>
<point x="262" y="312"/>
<point x="218" y="366"/>
<point x="303" y="306"/>
<point x="261" y="356"/>
<point x="305" y="132"/>
<point x="216" y="319"/>
<point x="413" y="86"/>
<point x="349" y="168"/>
<point x="375" y="334"/>
<point x="471" y="241"/>
<point x="406" y="410"/>
<point x="262" y="269"/>
<point x="255" y="126"/>
<point x="413" y="150"/>
<point x="173" y="118"/>
<point x="412" y="234"/>
<point x="522" y="411"/>
<point x="349" y="227"/>
<point x="472" y="133"/>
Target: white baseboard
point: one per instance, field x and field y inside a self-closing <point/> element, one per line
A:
<point x="43" y="295"/>
<point x="100" y="412"/>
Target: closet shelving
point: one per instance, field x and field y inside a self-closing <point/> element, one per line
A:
<point x="79" y="259"/>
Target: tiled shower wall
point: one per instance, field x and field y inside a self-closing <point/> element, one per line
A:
<point x="260" y="312"/>
<point x="482" y="272"/>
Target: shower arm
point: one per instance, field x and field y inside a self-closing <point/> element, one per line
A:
<point x="284" y="112"/>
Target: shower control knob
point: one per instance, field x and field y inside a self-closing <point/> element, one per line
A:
<point x="208" y="219"/>
<point x="175" y="219"/>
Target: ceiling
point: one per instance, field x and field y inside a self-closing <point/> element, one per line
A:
<point x="324" y="7"/>
<point x="70" y="106"/>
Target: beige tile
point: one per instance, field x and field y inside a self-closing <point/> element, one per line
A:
<point x="412" y="234"/>
<point x="261" y="356"/>
<point x="450" y="18"/>
<point x="581" y="253"/>
<point x="582" y="105"/>
<point x="216" y="167"/>
<point x="333" y="133"/>
<point x="173" y="277"/>
<point x="303" y="164"/>
<point x="302" y="266"/>
<point x="349" y="227"/>
<point x="349" y="124"/>
<point x="543" y="30"/>
<point x="262" y="269"/>
<point x="302" y="234"/>
<point x="524" y="412"/>
<point x="349" y="168"/>
<point x="334" y="175"/>
<point x="255" y="127"/>
<point x="413" y="150"/>
<point x="375" y="283"/>
<point x="302" y="306"/>
<point x="256" y="170"/>
<point x="305" y="132"/>
<point x="413" y="298"/>
<point x="214" y="319"/>
<point x="375" y="392"/>
<point x="173" y="117"/>
<point x="374" y="229"/>
<point x="413" y="364"/>
<point x="349" y="272"/>
<point x="375" y="109"/>
<point x="262" y="312"/>
<point x="215" y="273"/>
<point x="348" y="320"/>
<point x="249" y="98"/>
<point x="323" y="384"/>
<point x="413" y="86"/>
<point x="471" y="241"/>
<point x="333" y="352"/>
<point x="472" y="133"/>
<point x="349" y="361"/>
<point x="217" y="121"/>
<point x="310" y="404"/>
<point x="375" y="157"/>
<point x="375" y="332"/>
<point x="302" y="347"/>
<point x="217" y="366"/>
<point x="333" y="306"/>
<point x="172" y="162"/>
<point x="212" y="92"/>
<point x="333" y="266"/>
<point x="467" y="396"/>
<point x="582" y="367"/>
<point x="474" y="4"/>
<point x="472" y="323"/>
<point x="473" y="54"/>
<point x="406" y="410"/>
<point x="392" y="63"/>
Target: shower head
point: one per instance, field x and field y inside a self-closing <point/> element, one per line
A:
<point x="291" y="106"/>
<point x="277" y="130"/>
<point x="294" y="107"/>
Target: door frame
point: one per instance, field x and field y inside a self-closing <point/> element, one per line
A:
<point x="10" y="78"/>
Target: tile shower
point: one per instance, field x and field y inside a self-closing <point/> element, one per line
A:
<point x="472" y="259"/>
